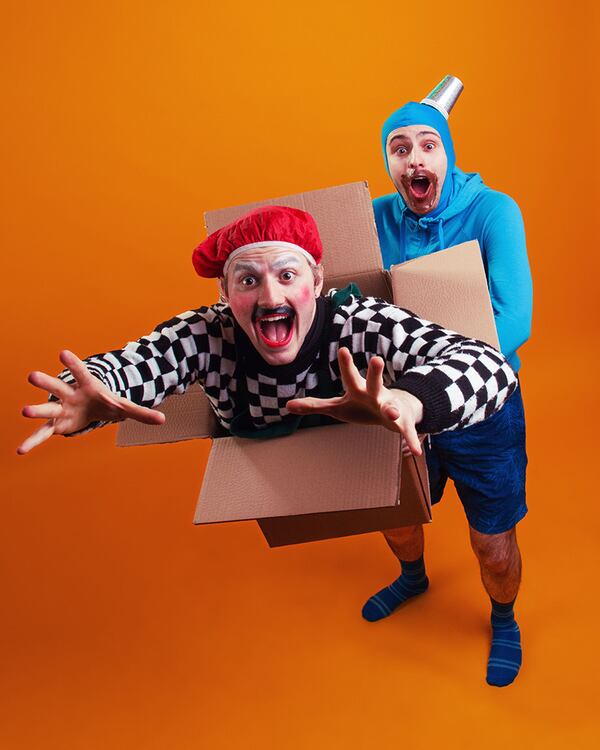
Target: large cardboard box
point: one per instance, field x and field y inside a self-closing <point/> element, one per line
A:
<point x="341" y="479"/>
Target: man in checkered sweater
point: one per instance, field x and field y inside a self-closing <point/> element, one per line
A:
<point x="275" y="349"/>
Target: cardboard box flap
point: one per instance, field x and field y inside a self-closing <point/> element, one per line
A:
<point x="414" y="508"/>
<point x="414" y="490"/>
<point x="450" y="288"/>
<point x="316" y="527"/>
<point x="188" y="416"/>
<point x="315" y="470"/>
<point x="344" y="215"/>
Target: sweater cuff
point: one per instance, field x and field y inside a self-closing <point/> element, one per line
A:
<point x="430" y="389"/>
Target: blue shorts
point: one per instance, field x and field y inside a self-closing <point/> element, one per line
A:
<point x="487" y="464"/>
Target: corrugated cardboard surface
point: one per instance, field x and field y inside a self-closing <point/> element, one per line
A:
<point x="448" y="287"/>
<point x="413" y="507"/>
<point x="316" y="470"/>
<point x="188" y="416"/>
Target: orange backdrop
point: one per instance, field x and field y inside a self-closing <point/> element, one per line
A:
<point x="123" y="625"/>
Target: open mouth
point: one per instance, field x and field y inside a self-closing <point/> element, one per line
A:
<point x="275" y="329"/>
<point x="421" y="187"/>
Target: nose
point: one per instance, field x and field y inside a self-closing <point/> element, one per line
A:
<point x="415" y="158"/>
<point x="270" y="292"/>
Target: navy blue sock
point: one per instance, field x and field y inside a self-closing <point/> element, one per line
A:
<point x="413" y="581"/>
<point x="505" y="654"/>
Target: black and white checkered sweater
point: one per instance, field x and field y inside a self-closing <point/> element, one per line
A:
<point x="460" y="381"/>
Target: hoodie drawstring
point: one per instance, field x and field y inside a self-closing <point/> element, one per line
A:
<point x="440" y="229"/>
<point x="441" y="233"/>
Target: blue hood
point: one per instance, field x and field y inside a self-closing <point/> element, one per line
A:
<point x="422" y="114"/>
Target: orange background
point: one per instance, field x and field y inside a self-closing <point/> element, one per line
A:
<point x="123" y="625"/>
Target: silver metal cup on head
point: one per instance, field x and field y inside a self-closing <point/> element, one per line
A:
<point x="443" y="97"/>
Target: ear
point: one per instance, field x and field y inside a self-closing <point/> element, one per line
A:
<point x="223" y="289"/>
<point x="318" y="276"/>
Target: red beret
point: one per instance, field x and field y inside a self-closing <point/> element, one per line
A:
<point x="267" y="225"/>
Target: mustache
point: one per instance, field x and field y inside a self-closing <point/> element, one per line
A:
<point x="261" y="312"/>
<point x="412" y="174"/>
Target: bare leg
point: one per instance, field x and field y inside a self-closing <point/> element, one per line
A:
<point x="407" y="544"/>
<point x="500" y="563"/>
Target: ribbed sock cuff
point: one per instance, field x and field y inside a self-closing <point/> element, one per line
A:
<point x="502" y="614"/>
<point x="413" y="565"/>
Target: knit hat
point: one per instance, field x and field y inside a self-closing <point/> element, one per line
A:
<point x="270" y="226"/>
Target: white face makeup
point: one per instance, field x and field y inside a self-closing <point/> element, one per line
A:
<point x="417" y="162"/>
<point x="272" y="293"/>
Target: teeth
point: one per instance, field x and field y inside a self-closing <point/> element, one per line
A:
<point x="272" y="318"/>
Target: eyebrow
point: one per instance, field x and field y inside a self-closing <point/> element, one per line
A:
<point x="397" y="138"/>
<point x="249" y="267"/>
<point x="287" y="260"/>
<point x="245" y="266"/>
<point x="403" y="137"/>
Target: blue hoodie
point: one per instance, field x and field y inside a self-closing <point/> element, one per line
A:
<point x="467" y="210"/>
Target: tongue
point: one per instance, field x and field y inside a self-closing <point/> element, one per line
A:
<point x="275" y="330"/>
<point x="420" y="186"/>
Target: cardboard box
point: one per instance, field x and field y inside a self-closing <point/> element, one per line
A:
<point x="341" y="479"/>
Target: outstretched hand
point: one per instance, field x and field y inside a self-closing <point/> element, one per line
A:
<point x="87" y="400"/>
<point x="368" y="401"/>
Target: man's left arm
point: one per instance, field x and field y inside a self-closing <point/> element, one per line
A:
<point x="509" y="277"/>
<point x="413" y="370"/>
<point x="460" y="381"/>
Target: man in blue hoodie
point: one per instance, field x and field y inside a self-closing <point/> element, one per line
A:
<point x="437" y="206"/>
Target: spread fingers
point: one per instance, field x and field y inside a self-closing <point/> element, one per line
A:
<point x="44" y="432"/>
<point x="311" y="405"/>
<point x="53" y="385"/>
<point x="79" y="371"/>
<point x="351" y="377"/>
<point x="42" y="411"/>
<point x="374" y="377"/>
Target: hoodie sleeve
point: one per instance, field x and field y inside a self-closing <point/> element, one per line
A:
<point x="509" y="277"/>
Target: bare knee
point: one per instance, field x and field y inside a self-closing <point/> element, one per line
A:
<point x="497" y="553"/>
<point x="405" y="542"/>
<point x="402" y="534"/>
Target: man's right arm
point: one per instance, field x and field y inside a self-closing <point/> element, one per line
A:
<point x="130" y="382"/>
<point x="166" y="361"/>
